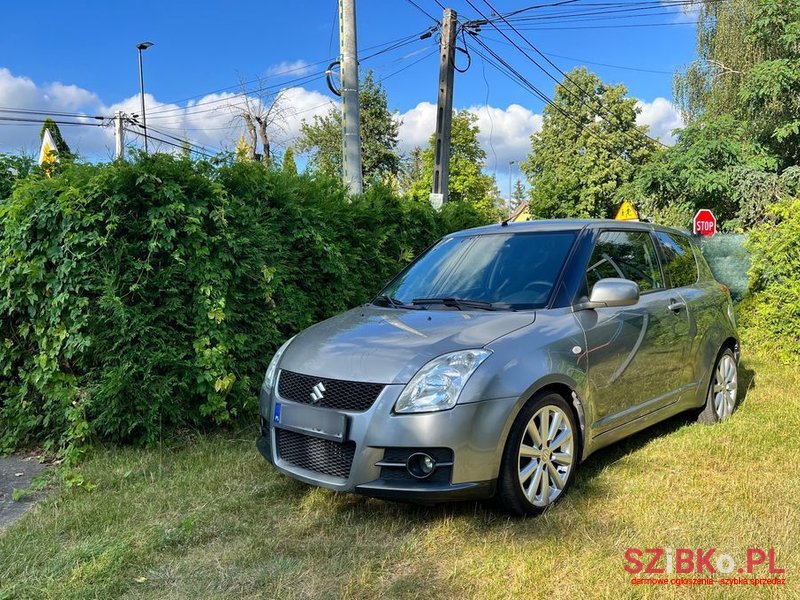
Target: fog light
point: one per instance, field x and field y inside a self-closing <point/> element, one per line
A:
<point x="421" y="465"/>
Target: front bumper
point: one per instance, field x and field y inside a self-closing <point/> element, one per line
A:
<point x="467" y="440"/>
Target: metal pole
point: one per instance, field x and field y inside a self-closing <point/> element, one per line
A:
<point x="119" y="136"/>
<point x="351" y="120"/>
<point x="141" y="94"/>
<point x="444" y="110"/>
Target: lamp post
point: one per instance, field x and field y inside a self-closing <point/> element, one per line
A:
<point x="511" y="164"/>
<point x="140" y="47"/>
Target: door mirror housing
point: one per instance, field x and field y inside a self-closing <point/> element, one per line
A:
<point x="611" y="291"/>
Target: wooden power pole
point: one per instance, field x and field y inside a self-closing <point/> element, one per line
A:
<point x="351" y="121"/>
<point x="444" y="110"/>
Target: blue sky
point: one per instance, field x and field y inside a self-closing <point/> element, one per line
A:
<point x="80" y="57"/>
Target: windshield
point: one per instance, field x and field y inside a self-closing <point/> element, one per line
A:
<point x="513" y="271"/>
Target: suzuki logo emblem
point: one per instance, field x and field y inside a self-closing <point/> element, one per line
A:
<point x="317" y="392"/>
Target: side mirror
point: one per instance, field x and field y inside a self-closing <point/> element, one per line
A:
<point x="611" y="291"/>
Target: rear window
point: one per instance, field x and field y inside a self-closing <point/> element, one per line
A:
<point x="680" y="266"/>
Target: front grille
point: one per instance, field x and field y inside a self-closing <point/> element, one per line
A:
<point x="342" y="395"/>
<point x="315" y="454"/>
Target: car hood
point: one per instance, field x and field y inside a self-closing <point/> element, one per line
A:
<point x="389" y="345"/>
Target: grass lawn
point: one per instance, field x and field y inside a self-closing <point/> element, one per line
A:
<point x="209" y="518"/>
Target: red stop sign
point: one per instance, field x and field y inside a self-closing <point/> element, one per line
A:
<point x="705" y="223"/>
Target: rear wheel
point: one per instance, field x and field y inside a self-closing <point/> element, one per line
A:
<point x="722" y="392"/>
<point x="540" y="456"/>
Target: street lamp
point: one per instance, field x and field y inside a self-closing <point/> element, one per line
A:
<point x="140" y="47"/>
<point x="511" y="164"/>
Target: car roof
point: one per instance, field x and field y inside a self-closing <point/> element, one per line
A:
<point x="565" y="225"/>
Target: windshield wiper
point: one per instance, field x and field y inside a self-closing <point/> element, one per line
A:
<point x="393" y="302"/>
<point x="459" y="303"/>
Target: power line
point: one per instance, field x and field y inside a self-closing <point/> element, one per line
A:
<point x="50" y="113"/>
<point x="391" y="45"/>
<point x="189" y="110"/>
<point x="41" y="121"/>
<point x="423" y="11"/>
<point x="583" y="92"/>
<point x="577" y="27"/>
<point x="521" y="80"/>
<point x="168" y="143"/>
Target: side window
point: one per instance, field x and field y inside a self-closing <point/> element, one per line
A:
<point x="680" y="266"/>
<point x="627" y="254"/>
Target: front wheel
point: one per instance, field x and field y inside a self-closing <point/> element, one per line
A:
<point x="540" y="456"/>
<point x="722" y="393"/>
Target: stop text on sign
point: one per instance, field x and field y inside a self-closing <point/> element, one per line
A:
<point x="704" y="222"/>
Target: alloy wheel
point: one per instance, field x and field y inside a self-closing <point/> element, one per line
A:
<point x="725" y="385"/>
<point x="546" y="455"/>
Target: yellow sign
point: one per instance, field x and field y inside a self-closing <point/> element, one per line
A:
<point x="626" y="212"/>
<point x="48" y="155"/>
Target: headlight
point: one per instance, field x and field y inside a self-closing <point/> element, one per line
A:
<point x="272" y="369"/>
<point x="437" y="385"/>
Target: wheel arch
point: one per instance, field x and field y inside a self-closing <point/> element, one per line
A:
<point x="567" y="388"/>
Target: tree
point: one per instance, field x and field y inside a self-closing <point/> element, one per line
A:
<point x="243" y="150"/>
<point x="518" y="195"/>
<point x="64" y="152"/>
<point x="468" y="183"/>
<point x="588" y="150"/>
<point x="262" y="111"/>
<point x="322" y="138"/>
<point x="289" y="166"/>
<point x="710" y="166"/>
<point x="748" y="67"/>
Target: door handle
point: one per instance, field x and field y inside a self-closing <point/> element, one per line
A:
<point x="676" y="305"/>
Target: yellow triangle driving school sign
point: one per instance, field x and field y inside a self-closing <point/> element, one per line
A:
<point x="626" y="212"/>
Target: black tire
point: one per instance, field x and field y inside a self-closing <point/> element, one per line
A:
<point x="510" y="496"/>
<point x="710" y="414"/>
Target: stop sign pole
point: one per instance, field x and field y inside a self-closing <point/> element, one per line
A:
<point x="704" y="223"/>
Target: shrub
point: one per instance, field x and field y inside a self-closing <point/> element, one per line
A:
<point x="136" y="298"/>
<point x="771" y="313"/>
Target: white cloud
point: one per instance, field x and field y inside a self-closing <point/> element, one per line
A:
<point x="662" y="117"/>
<point x="293" y="67"/>
<point x="209" y="121"/>
<point x="504" y="133"/>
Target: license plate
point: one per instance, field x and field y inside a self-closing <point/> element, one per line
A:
<point x="319" y="422"/>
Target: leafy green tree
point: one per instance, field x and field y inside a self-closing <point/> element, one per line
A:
<point x="322" y="138"/>
<point x="588" y="150"/>
<point x="468" y="183"/>
<point x="706" y="168"/>
<point x="64" y="152"/>
<point x="748" y="67"/>
<point x="13" y="168"/>
<point x="289" y="166"/>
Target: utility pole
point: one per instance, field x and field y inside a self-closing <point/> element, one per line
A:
<point x="119" y="136"/>
<point x="444" y="110"/>
<point x="351" y="120"/>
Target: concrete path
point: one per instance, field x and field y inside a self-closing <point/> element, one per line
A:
<point x="16" y="471"/>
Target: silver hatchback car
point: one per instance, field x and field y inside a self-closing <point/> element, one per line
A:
<point x="501" y="358"/>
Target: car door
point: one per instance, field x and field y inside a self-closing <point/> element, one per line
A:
<point x="682" y="277"/>
<point x="632" y="351"/>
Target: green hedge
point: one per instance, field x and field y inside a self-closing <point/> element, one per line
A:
<point x="771" y="312"/>
<point x="137" y="298"/>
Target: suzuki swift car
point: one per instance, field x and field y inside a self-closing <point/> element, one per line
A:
<point x="498" y="360"/>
